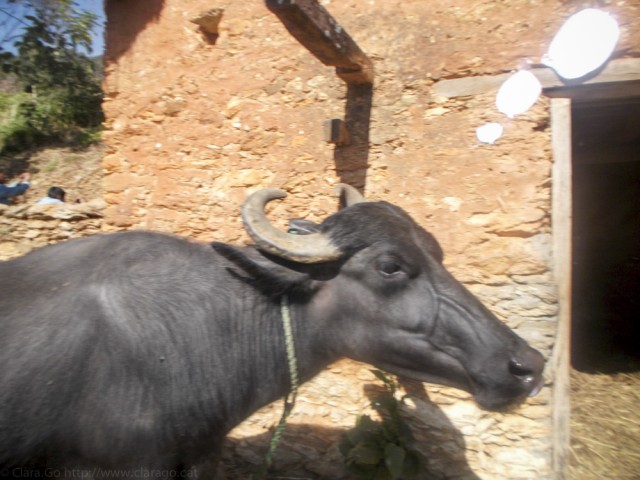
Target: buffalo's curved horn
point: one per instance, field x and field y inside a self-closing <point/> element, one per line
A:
<point x="348" y="195"/>
<point x="313" y="248"/>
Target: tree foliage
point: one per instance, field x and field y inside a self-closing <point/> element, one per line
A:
<point x="61" y="99"/>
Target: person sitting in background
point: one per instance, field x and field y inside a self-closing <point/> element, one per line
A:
<point x="55" y="195"/>
<point x="9" y="191"/>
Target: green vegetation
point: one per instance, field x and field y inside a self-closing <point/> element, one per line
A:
<point x="52" y="91"/>
<point x="381" y="450"/>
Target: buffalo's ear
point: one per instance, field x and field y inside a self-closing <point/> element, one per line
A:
<point x="262" y="272"/>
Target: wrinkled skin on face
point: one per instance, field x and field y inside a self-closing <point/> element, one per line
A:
<point x="390" y="302"/>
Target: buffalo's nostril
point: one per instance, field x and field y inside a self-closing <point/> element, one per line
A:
<point x="517" y="369"/>
<point x="527" y="364"/>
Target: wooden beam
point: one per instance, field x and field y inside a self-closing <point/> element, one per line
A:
<point x="614" y="74"/>
<point x="314" y="27"/>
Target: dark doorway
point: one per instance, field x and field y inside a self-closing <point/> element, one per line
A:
<point x="606" y="235"/>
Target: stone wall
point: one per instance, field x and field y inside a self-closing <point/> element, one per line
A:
<point x="196" y="122"/>
<point x="25" y="227"/>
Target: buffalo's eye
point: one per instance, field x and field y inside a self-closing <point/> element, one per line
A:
<point x="389" y="268"/>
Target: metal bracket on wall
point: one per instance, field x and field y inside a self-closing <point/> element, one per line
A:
<point x="336" y="132"/>
<point x="314" y="27"/>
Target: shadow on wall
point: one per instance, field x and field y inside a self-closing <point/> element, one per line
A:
<point x="311" y="452"/>
<point x="352" y="159"/>
<point x="13" y="165"/>
<point x="125" y="19"/>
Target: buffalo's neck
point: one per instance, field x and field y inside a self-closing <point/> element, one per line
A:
<point x="259" y="367"/>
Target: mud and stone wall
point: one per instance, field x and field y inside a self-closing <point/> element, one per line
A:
<point x="24" y="227"/>
<point x="195" y="122"/>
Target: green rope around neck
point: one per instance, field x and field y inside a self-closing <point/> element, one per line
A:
<point x="290" y="399"/>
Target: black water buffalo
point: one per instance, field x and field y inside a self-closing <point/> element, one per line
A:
<point x="140" y="350"/>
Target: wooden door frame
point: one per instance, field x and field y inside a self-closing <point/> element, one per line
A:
<point x="561" y="226"/>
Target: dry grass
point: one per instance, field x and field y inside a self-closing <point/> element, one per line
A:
<point x="605" y="426"/>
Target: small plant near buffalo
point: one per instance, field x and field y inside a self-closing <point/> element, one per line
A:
<point x="381" y="450"/>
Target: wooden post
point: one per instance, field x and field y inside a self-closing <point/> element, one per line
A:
<point x="559" y="364"/>
<point x="314" y="27"/>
